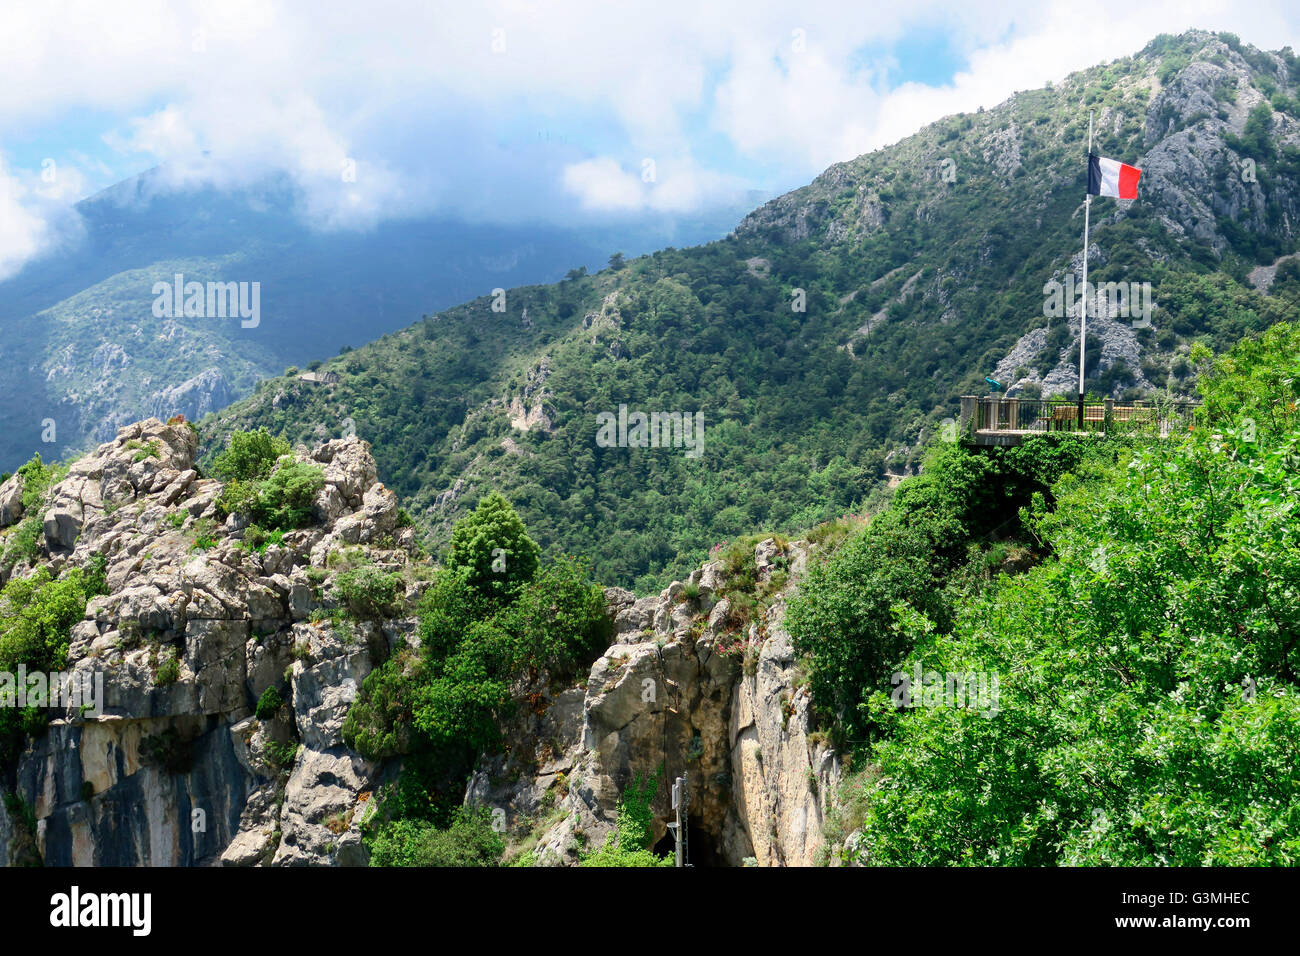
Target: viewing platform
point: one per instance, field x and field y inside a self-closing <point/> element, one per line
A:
<point x="999" y="420"/>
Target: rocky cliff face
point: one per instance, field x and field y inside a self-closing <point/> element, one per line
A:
<point x="178" y="769"/>
<point x="683" y="690"/>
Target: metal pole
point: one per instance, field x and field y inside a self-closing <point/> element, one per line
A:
<point x="1083" y="315"/>
<point x="681" y="796"/>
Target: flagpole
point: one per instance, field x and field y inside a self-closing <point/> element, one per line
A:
<point x="1083" y="314"/>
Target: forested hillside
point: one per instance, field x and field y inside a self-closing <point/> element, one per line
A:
<point x="827" y="338"/>
<point x="85" y="350"/>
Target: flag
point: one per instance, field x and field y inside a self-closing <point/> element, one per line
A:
<point x="1110" y="177"/>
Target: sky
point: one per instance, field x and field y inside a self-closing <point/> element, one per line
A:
<point x="515" y="111"/>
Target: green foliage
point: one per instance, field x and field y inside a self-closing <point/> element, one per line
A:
<point x="559" y="620"/>
<point x="37" y="479"/>
<point x="285" y="499"/>
<point x="441" y="707"/>
<point x="843" y="614"/>
<point x="249" y="456"/>
<point x="281" y="755"/>
<point x="379" y="722"/>
<point x="369" y="592"/>
<point x="259" y="539"/>
<point x="169" y="670"/>
<point x="269" y="704"/>
<point x="23" y="543"/>
<point x="629" y="844"/>
<point x="469" y="840"/>
<point x="1149" y="707"/>
<point x="281" y="501"/>
<point x="36" y="613"/>
<point x="492" y="548"/>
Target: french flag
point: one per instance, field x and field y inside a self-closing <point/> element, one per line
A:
<point x="1110" y="177"/>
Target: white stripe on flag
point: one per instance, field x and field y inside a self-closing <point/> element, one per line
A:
<point x="1109" y="177"/>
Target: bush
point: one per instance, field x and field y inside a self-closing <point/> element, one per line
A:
<point x="629" y="844"/>
<point x="559" y="620"/>
<point x="169" y="670"/>
<point x="37" y="479"/>
<point x="249" y="456"/>
<point x="369" y="592"/>
<point x="281" y="502"/>
<point x="269" y="704"/>
<point x="36" y="614"/>
<point x="379" y="722"/>
<point x="286" y="498"/>
<point x="468" y="841"/>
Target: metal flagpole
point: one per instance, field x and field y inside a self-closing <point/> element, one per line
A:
<point x="681" y="797"/>
<point x="1083" y="314"/>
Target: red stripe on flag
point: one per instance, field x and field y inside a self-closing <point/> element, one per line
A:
<point x="1128" y="181"/>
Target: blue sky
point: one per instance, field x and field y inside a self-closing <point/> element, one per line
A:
<point x="515" y="110"/>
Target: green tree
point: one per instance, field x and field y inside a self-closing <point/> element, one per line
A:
<point x="492" y="548"/>
<point x="250" y="455"/>
<point x="1149" y="705"/>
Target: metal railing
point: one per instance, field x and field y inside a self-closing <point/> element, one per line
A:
<point x="1016" y="415"/>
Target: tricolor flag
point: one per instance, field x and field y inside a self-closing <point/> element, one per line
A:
<point x="1110" y="177"/>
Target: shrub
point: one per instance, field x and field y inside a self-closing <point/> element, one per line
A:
<point x="23" y="543"/>
<point x="169" y="670"/>
<point x="250" y="455"/>
<point x="269" y="704"/>
<point x="629" y="844"/>
<point x="559" y="620"/>
<point x="468" y="841"/>
<point x="287" y="496"/>
<point x="368" y="591"/>
<point x="37" y="479"/>
<point x="379" y="722"/>
<point x="281" y="502"/>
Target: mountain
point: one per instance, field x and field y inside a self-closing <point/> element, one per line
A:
<point x="83" y="348"/>
<point x="835" y="329"/>
<point x="266" y="669"/>
<point x="218" y="673"/>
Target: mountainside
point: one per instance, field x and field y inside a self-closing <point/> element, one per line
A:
<point x="833" y="332"/>
<point x="217" y="671"/>
<point x="84" y="348"/>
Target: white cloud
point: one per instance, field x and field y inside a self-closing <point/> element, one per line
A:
<point x="677" y="184"/>
<point x="34" y="217"/>
<point x="759" y="93"/>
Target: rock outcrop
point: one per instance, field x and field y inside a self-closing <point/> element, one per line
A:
<point x="201" y="626"/>
<point x="176" y="768"/>
<point x="689" y="688"/>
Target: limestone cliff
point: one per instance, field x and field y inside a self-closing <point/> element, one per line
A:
<point x="177" y="768"/>
<point x="197" y="625"/>
<point x="689" y="688"/>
